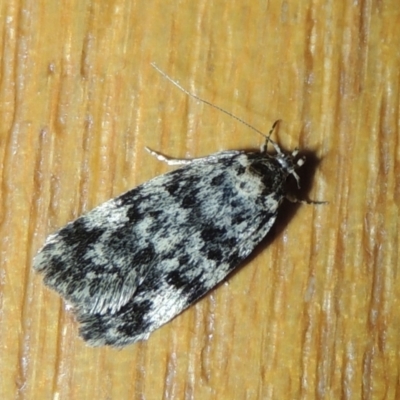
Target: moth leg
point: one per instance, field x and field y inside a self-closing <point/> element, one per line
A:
<point x="293" y="199"/>
<point x="170" y="160"/>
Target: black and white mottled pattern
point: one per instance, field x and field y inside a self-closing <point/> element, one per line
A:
<point x="135" y="262"/>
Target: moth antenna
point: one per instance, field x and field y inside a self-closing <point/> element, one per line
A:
<point x="211" y="104"/>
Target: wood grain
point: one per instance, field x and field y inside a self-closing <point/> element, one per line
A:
<point x="315" y="312"/>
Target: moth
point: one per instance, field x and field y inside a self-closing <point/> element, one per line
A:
<point x="135" y="262"/>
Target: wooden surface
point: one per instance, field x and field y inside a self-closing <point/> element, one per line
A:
<point x="314" y="313"/>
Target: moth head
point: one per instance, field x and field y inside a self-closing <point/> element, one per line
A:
<point x="288" y="161"/>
